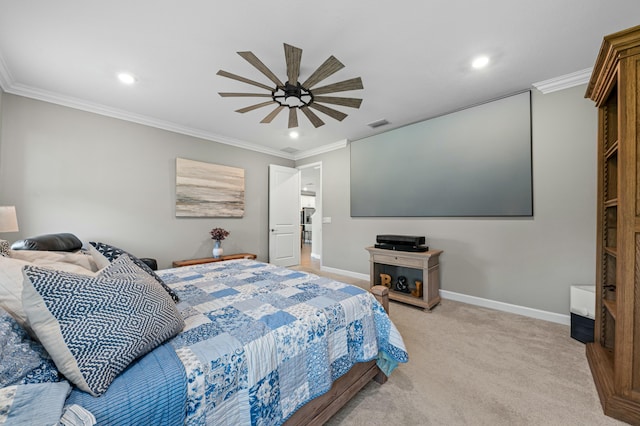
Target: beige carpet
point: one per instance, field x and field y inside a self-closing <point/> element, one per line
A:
<point x="475" y="366"/>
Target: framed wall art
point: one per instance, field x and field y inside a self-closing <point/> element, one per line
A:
<point x="208" y="190"/>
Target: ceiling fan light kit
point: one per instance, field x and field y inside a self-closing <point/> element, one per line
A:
<point x="295" y="95"/>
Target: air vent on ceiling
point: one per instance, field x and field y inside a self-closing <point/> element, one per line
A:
<point x="290" y="150"/>
<point x="378" y="123"/>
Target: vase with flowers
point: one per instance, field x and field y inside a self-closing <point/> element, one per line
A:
<point x="218" y="234"/>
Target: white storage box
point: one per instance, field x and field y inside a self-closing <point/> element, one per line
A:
<point x="583" y="307"/>
<point x="583" y="300"/>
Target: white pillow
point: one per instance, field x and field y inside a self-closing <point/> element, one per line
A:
<point x="98" y="258"/>
<point x="38" y="257"/>
<point x="11" y="280"/>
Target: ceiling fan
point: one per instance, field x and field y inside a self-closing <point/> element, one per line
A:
<point x="295" y="95"/>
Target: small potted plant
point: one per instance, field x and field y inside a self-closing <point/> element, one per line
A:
<point x="218" y="234"/>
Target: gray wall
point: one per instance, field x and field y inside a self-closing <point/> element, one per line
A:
<point x="523" y="261"/>
<point x="110" y="180"/>
<point x="1" y="95"/>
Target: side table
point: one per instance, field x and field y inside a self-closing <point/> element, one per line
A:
<point x="422" y="266"/>
<point x="188" y="262"/>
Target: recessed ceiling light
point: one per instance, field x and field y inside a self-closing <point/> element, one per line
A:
<point x="294" y="134"/>
<point x="480" y="62"/>
<point x="126" y="78"/>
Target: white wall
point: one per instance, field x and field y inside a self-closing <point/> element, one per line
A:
<point x="110" y="180"/>
<point x="529" y="262"/>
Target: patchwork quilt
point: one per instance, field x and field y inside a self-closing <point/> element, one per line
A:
<point x="261" y="341"/>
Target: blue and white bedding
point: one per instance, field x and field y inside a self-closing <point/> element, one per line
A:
<point x="32" y="404"/>
<point x="151" y="391"/>
<point x="260" y="341"/>
<point x="41" y="404"/>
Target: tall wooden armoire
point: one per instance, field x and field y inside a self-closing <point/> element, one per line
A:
<point x="614" y="357"/>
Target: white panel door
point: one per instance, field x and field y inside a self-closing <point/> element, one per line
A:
<point x="284" y="215"/>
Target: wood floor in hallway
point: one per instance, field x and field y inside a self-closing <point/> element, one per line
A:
<point x="305" y="258"/>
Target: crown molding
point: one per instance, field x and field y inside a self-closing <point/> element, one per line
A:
<point x="56" y="98"/>
<point x="321" y="149"/>
<point x="6" y="83"/>
<point x="67" y="101"/>
<point x="564" y="81"/>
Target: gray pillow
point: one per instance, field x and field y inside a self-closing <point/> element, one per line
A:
<point x="49" y="242"/>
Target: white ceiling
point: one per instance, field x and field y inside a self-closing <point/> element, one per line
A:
<point x="413" y="57"/>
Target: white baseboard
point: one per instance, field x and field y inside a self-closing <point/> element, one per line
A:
<point x="478" y="301"/>
<point x="507" y="307"/>
<point x="315" y="256"/>
<point x="345" y="273"/>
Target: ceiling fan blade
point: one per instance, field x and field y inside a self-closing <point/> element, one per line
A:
<point x="257" y="63"/>
<point x="314" y="119"/>
<point x="293" y="56"/>
<point x="333" y="113"/>
<point x="348" y="102"/>
<point x="293" y="118"/>
<point x="351" y="84"/>
<point x="329" y="67"/>
<point x="242" y="79"/>
<point x="272" y="114"/>
<point x="252" y="107"/>
<point x="243" y="95"/>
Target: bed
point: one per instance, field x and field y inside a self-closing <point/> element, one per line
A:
<point x="258" y="344"/>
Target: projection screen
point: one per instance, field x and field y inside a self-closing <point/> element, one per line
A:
<point x="473" y="162"/>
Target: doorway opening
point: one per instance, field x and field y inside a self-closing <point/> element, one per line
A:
<point x="311" y="215"/>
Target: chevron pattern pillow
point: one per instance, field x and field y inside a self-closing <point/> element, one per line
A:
<point x="111" y="253"/>
<point x="94" y="327"/>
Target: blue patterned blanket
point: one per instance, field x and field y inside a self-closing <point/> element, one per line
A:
<point x="261" y="341"/>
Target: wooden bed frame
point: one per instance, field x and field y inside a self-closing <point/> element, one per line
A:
<point x="320" y="409"/>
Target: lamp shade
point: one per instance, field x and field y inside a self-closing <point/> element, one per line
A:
<point x="8" y="219"/>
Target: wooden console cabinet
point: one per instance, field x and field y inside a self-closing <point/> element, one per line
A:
<point x="423" y="266"/>
<point x="189" y="262"/>
<point x="614" y="357"/>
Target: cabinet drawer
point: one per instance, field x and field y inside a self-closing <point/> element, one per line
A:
<point x="398" y="260"/>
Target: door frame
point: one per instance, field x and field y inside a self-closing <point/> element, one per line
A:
<point x="316" y="234"/>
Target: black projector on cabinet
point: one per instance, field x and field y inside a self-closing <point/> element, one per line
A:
<point x="401" y="243"/>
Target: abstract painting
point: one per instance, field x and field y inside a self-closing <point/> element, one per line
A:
<point x="208" y="190"/>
